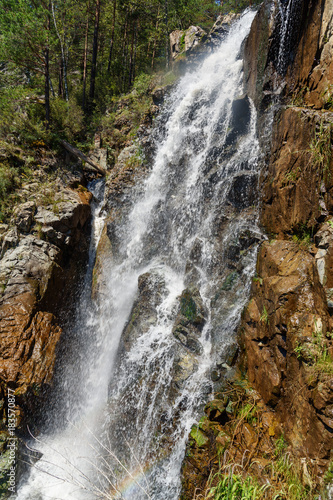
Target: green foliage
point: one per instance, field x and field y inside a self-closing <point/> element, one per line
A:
<point x="169" y="78"/>
<point x="280" y="446"/>
<point x="182" y="42"/>
<point x="61" y="28"/>
<point x="315" y="354"/>
<point x="298" y="349"/>
<point x="67" y="119"/>
<point x="187" y="306"/>
<point x="320" y="148"/>
<point x="297" y="98"/>
<point x="199" y="437"/>
<point x="328" y="477"/>
<point x="248" y="413"/>
<point x="235" y="487"/>
<point x="292" y="176"/>
<point x="302" y="235"/>
<point x="13" y="169"/>
<point x="237" y="5"/>
<point x="327" y="97"/>
<point x="302" y="241"/>
<point x="264" y="316"/>
<point x="8" y="181"/>
<point x="142" y="84"/>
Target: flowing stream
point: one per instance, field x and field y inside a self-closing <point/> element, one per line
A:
<point x="137" y="380"/>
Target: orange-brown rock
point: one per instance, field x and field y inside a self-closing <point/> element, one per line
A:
<point x="310" y="68"/>
<point x="311" y="74"/>
<point x="243" y="441"/>
<point x="256" y="53"/>
<point x="297" y="190"/>
<point x="287" y="313"/>
<point x="36" y="277"/>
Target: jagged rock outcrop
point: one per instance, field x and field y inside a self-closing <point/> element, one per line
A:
<point x="36" y="277"/>
<point x="285" y="332"/>
<point x="44" y="248"/>
<point x="287" y="323"/>
<point x="190" y="320"/>
<point x="189" y="47"/>
<point x="297" y="190"/>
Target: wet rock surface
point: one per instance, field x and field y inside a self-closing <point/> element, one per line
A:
<point x="189" y="47"/>
<point x="38" y="276"/>
<point x="285" y="333"/>
<point x="190" y="320"/>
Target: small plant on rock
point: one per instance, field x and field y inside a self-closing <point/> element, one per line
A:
<point x="315" y="354"/>
<point x="320" y="148"/>
<point x="327" y="97"/>
<point x="264" y="316"/>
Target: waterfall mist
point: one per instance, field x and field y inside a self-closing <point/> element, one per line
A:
<point x="178" y="278"/>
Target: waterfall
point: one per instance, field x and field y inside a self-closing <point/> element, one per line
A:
<point x="183" y="259"/>
<point x="290" y="19"/>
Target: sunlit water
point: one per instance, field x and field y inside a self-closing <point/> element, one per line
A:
<point x="122" y="427"/>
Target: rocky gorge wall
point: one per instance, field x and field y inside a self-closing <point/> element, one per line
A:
<point x="283" y="385"/>
<point x="44" y="250"/>
<point x="285" y="377"/>
<point x="288" y="352"/>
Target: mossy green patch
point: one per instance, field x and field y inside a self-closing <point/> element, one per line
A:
<point x="229" y="281"/>
<point x="188" y="307"/>
<point x="199" y="437"/>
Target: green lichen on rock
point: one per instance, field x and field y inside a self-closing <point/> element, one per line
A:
<point x="187" y="306"/>
<point x="199" y="437"/>
<point x="191" y="306"/>
<point x="229" y="281"/>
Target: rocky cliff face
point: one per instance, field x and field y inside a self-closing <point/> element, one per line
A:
<point x="189" y="47"/>
<point x="285" y="331"/>
<point x="44" y="248"/>
<point x="288" y="354"/>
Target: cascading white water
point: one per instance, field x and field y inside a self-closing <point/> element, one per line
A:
<point x="134" y="390"/>
<point x="290" y="16"/>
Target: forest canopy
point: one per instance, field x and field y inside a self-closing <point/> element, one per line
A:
<point x="73" y="56"/>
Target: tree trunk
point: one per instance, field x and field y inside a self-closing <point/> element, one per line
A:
<point x="130" y="71"/>
<point x="51" y="88"/>
<point x="112" y="34"/>
<point x="64" y="63"/>
<point x="124" y="58"/>
<point x="76" y="152"/>
<point x="85" y="57"/>
<point x="47" y="88"/>
<point x="135" y="48"/>
<point x="47" y="76"/>
<point x="166" y="35"/>
<point x="94" y="52"/>
<point x="65" y="77"/>
<point x="60" y="83"/>
<point x="155" y="41"/>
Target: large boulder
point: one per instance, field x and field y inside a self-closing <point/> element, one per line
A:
<point x="220" y="29"/>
